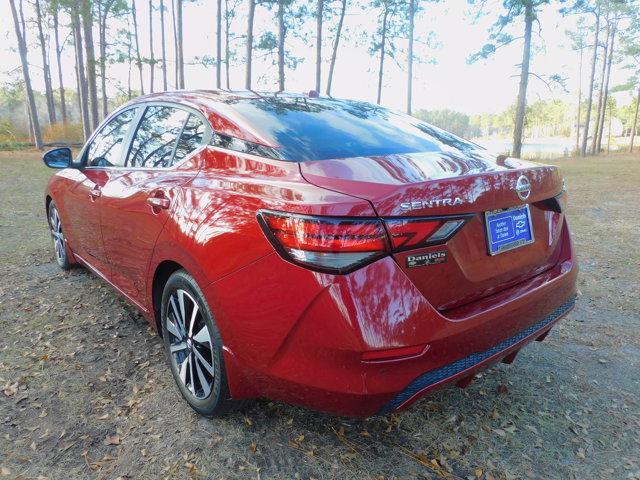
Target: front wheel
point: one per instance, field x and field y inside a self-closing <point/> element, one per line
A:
<point x="59" y="242"/>
<point x="193" y="347"/>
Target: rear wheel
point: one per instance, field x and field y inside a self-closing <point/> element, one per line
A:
<point x="193" y="347"/>
<point x="59" y="242"/>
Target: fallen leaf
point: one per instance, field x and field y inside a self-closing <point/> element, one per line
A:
<point x="10" y="390"/>
<point x="33" y="446"/>
<point x="112" y="440"/>
<point x="253" y="447"/>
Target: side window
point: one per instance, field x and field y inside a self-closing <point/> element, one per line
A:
<point x="155" y="139"/>
<point x="106" y="148"/>
<point x="191" y="137"/>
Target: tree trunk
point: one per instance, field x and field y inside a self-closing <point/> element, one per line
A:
<point x="281" y="35"/>
<point x="22" y="48"/>
<point x="180" y="44"/>
<point x="63" y="103"/>
<point x="175" y="42"/>
<point x="135" y="37"/>
<point x="606" y="88"/>
<point x="219" y="45"/>
<point x="601" y="106"/>
<point x="46" y="70"/>
<point x="336" y="42"/>
<point x="82" y="82"/>
<point x="87" y="24"/>
<point x="412" y="15"/>
<point x="594" y="59"/>
<point x="227" y="25"/>
<point x="102" y="32"/>
<point x="249" y="56"/>
<point x="518" y="130"/>
<point x="579" y="101"/>
<point x="163" y="47"/>
<point x="383" y="45"/>
<point x="635" y="122"/>
<point x="609" y="130"/>
<point x="152" y="60"/>
<point x="319" y="13"/>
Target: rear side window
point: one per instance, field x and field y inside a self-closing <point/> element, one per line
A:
<point x="155" y="140"/>
<point x="322" y="128"/>
<point x="191" y="138"/>
<point x="106" y="148"/>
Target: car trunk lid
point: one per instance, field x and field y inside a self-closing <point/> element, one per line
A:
<point x="435" y="184"/>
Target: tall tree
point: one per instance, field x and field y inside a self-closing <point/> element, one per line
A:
<point x="56" y="36"/>
<point x="521" y="104"/>
<point x="83" y="95"/>
<point x="249" y="55"/>
<point x="412" y="14"/>
<point x="180" y="44"/>
<point x="219" y="45"/>
<point x="87" y="27"/>
<point x="336" y="43"/>
<point x="163" y="47"/>
<point x="46" y="69"/>
<point x="134" y="17"/>
<point x="319" y="14"/>
<point x="22" y="49"/>
<point x="609" y="57"/>
<point x="514" y="10"/>
<point x="380" y="42"/>
<point x="601" y="105"/>
<point x="282" y="32"/>
<point x="152" y="60"/>
<point x="594" y="60"/>
<point x="630" y="52"/>
<point x="578" y="43"/>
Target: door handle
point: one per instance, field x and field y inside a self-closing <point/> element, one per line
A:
<point x="95" y="192"/>
<point x="158" y="202"/>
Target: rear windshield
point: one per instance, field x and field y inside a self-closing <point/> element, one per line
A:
<point x="319" y="129"/>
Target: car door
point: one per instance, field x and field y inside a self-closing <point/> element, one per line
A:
<point x="104" y="152"/>
<point x="139" y="197"/>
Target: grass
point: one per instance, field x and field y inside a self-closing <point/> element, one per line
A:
<point x="78" y="365"/>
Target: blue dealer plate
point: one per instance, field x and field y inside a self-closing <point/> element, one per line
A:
<point x="508" y="229"/>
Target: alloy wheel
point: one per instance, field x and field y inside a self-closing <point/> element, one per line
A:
<point x="56" y="233"/>
<point x="190" y="344"/>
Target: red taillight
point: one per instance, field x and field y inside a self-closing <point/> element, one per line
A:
<point x="335" y="245"/>
<point x="407" y="233"/>
<point x="341" y="245"/>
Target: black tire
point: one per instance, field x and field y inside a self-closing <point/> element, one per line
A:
<point x="60" y="248"/>
<point x="190" y="356"/>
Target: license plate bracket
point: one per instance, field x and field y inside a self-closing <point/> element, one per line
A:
<point x="508" y="229"/>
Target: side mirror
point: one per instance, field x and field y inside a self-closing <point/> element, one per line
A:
<point x="58" y="158"/>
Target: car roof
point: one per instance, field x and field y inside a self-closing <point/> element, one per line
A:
<point x="217" y="107"/>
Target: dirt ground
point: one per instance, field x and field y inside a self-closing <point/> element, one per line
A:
<point x="85" y="392"/>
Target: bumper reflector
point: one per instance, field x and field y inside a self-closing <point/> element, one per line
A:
<point x="394" y="353"/>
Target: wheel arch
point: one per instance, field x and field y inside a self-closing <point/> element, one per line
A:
<point x="161" y="275"/>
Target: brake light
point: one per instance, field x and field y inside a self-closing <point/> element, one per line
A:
<point x="341" y="245"/>
<point x="334" y="245"/>
<point x="408" y="233"/>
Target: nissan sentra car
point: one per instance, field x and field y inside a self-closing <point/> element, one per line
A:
<point x="326" y="253"/>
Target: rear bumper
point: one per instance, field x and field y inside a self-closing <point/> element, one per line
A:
<point x="300" y="337"/>
<point x="469" y="365"/>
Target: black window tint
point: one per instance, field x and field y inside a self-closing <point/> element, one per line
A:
<point x="191" y="137"/>
<point x="322" y="128"/>
<point x="106" y="148"/>
<point x="156" y="137"/>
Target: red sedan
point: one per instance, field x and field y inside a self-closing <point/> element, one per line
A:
<point x="326" y="253"/>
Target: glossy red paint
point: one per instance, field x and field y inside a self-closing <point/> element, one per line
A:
<point x="306" y="337"/>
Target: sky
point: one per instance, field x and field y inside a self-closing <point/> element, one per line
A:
<point x="446" y="81"/>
